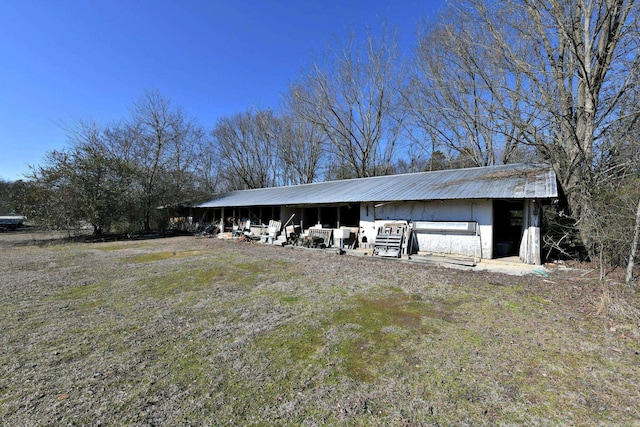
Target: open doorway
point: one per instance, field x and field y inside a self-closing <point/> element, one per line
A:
<point x="350" y="215"/>
<point x="507" y="227"/>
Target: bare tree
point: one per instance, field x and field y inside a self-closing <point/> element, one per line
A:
<point x="162" y="147"/>
<point x="303" y="145"/>
<point x="247" y="149"/>
<point x="456" y="91"/>
<point x="301" y="149"/>
<point x="577" y="60"/>
<point x="206" y="169"/>
<point x="154" y="137"/>
<point x="353" y="97"/>
<point x="616" y="192"/>
<point x="549" y="74"/>
<point x="121" y="174"/>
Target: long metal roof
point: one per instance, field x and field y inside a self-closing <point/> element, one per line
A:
<point x="514" y="181"/>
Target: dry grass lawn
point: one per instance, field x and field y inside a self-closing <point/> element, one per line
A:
<point x="185" y="331"/>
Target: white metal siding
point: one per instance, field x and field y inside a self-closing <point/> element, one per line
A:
<point x="480" y="211"/>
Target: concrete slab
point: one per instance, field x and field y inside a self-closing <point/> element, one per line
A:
<point x="507" y="265"/>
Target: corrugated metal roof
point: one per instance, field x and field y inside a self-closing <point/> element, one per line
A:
<point x="515" y="181"/>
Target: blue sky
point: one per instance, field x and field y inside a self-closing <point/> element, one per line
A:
<point x="63" y="60"/>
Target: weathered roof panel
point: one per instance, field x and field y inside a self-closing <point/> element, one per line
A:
<point x="515" y="181"/>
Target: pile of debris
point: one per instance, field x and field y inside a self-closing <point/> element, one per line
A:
<point x="209" y="230"/>
<point x="393" y="239"/>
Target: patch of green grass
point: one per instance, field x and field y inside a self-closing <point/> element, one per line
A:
<point x="289" y="299"/>
<point x="188" y="366"/>
<point x="223" y="270"/>
<point x="118" y="247"/>
<point x="158" y="256"/>
<point x="292" y="343"/>
<point x="194" y="278"/>
<point x="383" y="326"/>
<point x="86" y="296"/>
<point x="180" y="281"/>
<point x="284" y="298"/>
<point x="539" y="299"/>
<point x="514" y="307"/>
<point x="81" y="291"/>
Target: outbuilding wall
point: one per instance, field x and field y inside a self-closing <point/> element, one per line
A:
<point x="374" y="215"/>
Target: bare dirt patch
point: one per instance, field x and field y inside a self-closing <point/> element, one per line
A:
<point x="186" y="331"/>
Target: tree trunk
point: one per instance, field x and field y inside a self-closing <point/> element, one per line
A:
<point x="634" y="248"/>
